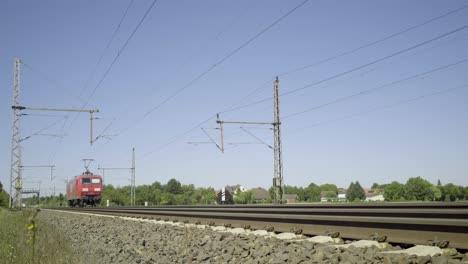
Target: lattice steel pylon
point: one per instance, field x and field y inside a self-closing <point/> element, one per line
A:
<point x="278" y="183"/>
<point x="16" y="180"/>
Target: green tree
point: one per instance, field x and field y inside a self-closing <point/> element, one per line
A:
<point x="328" y="187"/>
<point x="312" y="193"/>
<point x="168" y="199"/>
<point x="437" y="193"/>
<point x="173" y="186"/>
<point x="295" y="190"/>
<point x="204" y="195"/>
<point x="375" y="185"/>
<point x="419" y="189"/>
<point x="355" y="192"/>
<point x="453" y="192"/>
<point x="394" y="191"/>
<point x="243" y="197"/>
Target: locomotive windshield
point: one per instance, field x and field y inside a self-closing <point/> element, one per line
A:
<point x="90" y="180"/>
<point x="95" y="180"/>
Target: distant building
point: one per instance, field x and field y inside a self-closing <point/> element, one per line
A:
<point x="260" y="194"/>
<point x="375" y="198"/>
<point x="342" y="197"/>
<point x="233" y="188"/>
<point x="290" y="198"/>
<point x="372" y="192"/>
<point x="374" y="195"/>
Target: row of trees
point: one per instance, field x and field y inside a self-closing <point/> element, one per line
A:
<point x="171" y="193"/>
<point x="311" y="193"/>
<point x="175" y="193"/>
<point x="415" y="189"/>
<point x="420" y="189"/>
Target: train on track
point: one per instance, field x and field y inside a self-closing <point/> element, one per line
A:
<point x="84" y="189"/>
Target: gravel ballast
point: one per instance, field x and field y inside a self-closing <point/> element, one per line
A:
<point x="102" y="239"/>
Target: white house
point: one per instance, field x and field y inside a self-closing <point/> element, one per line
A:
<point x="375" y="198"/>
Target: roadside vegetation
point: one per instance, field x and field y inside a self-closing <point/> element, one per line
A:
<point x="25" y="240"/>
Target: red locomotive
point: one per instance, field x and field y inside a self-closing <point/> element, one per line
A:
<point x="85" y="189"/>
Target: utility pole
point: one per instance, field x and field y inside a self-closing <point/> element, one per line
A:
<point x="278" y="182"/>
<point x="132" y="177"/>
<point x="16" y="179"/>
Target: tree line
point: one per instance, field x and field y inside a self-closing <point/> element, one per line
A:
<point x="175" y="193"/>
<point x="419" y="189"/>
<point x="171" y="193"/>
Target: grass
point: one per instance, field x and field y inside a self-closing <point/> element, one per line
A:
<point x="25" y="240"/>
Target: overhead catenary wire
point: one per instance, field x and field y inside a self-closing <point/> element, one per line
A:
<point x="109" y="67"/>
<point x="259" y="139"/>
<point x="114" y="34"/>
<point x="177" y="137"/>
<point x="373" y="42"/>
<point x="326" y="79"/>
<point x="47" y="78"/>
<point x="120" y="52"/>
<point x="342" y="54"/>
<point x="353" y="69"/>
<point x="212" y="67"/>
<point x="43" y="129"/>
<point x="372" y="90"/>
<point x="378" y="108"/>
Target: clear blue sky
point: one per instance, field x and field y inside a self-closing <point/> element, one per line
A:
<point x="379" y="137"/>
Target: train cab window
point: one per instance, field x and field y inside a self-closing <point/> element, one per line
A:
<point x="95" y="181"/>
<point x="86" y="181"/>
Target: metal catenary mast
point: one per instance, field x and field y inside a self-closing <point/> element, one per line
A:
<point x="278" y="181"/>
<point x="16" y="179"/>
<point x="132" y="179"/>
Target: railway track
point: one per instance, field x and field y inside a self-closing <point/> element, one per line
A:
<point x="439" y="224"/>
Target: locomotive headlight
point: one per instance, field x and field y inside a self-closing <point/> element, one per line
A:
<point x="85" y="189"/>
<point x="97" y="189"/>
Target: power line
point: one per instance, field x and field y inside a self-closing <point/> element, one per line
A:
<point x="48" y="78"/>
<point x="120" y="52"/>
<point x="209" y="69"/>
<point x="105" y="49"/>
<point x="369" y="91"/>
<point x="42" y="129"/>
<point x="336" y="56"/>
<point x="372" y="43"/>
<point x="225" y="58"/>
<point x="113" y="62"/>
<point x="333" y="77"/>
<point x="382" y="107"/>
<point x="353" y="69"/>
<point x="177" y="137"/>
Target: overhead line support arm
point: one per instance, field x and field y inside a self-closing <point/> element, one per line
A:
<point x="90" y="111"/>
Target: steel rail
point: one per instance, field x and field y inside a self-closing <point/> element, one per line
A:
<point x="410" y="223"/>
